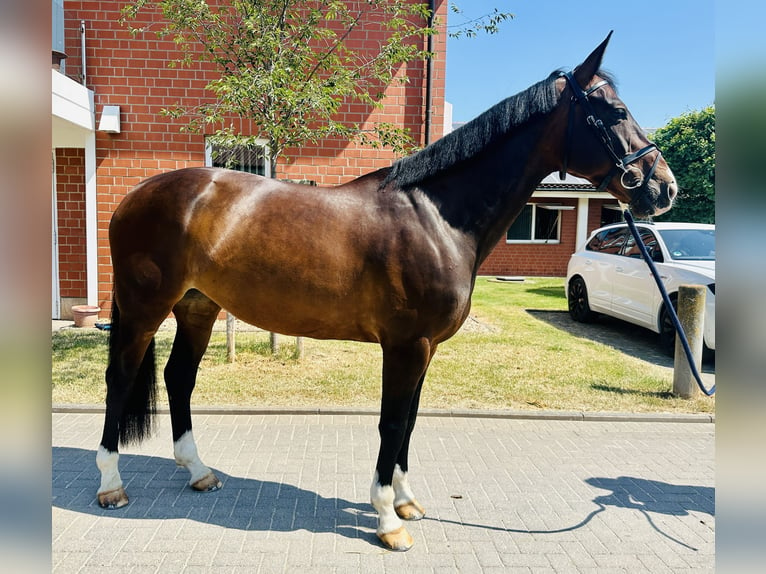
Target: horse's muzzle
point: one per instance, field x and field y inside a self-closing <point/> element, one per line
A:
<point x="665" y="197"/>
<point x="656" y="199"/>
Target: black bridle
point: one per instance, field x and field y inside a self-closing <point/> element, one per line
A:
<point x="623" y="164"/>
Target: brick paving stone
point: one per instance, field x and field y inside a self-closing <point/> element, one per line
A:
<point x="501" y="495"/>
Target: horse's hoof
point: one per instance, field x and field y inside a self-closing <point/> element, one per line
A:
<point x="207" y="483"/>
<point x="112" y="499"/>
<point x="410" y="511"/>
<point x="398" y="540"/>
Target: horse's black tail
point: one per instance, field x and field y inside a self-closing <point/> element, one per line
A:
<point x="140" y="396"/>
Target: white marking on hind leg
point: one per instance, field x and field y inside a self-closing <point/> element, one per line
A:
<point x="185" y="452"/>
<point x="106" y="462"/>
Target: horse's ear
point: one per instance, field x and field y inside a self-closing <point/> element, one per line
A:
<point x="585" y="71"/>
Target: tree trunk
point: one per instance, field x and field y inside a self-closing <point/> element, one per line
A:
<point x="274" y="337"/>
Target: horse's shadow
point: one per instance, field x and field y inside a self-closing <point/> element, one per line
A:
<point x="645" y="496"/>
<point x="654" y="496"/>
<point x="159" y="490"/>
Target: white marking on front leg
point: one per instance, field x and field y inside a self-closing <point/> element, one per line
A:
<point x="382" y="499"/>
<point x="106" y="462"/>
<point x="185" y="452"/>
<point x="402" y="490"/>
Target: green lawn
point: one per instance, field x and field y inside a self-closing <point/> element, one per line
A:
<point x="504" y="358"/>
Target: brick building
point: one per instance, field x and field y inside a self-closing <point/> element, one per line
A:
<point x="108" y="88"/>
<point x="557" y="220"/>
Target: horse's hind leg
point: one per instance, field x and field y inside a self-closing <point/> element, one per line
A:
<point x="130" y="396"/>
<point x="195" y="316"/>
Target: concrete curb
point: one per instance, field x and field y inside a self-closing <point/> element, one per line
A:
<point x="458" y="413"/>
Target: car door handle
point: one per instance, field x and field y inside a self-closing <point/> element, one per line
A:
<point x="619" y="269"/>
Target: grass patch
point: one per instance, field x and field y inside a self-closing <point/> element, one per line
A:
<point x="504" y="358"/>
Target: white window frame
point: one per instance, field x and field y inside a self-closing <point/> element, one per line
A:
<point x="531" y="240"/>
<point x="263" y="143"/>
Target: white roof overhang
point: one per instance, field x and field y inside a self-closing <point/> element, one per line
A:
<point x="72" y="111"/>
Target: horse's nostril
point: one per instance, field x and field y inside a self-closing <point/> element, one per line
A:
<point x="672" y="191"/>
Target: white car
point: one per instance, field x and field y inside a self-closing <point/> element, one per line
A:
<point x="608" y="275"/>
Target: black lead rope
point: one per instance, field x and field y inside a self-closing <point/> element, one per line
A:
<point x="668" y="304"/>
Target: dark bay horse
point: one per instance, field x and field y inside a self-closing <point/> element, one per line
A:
<point x="389" y="258"/>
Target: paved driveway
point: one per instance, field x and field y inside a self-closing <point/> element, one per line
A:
<point x="501" y="495"/>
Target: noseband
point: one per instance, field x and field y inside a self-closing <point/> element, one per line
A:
<point x="622" y="164"/>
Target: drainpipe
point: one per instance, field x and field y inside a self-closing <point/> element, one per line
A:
<point x="429" y="72"/>
<point x="82" y="52"/>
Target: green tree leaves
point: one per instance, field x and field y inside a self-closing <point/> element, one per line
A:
<point x="688" y="145"/>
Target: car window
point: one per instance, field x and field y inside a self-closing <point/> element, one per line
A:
<point x="690" y="244"/>
<point x="650" y="241"/>
<point x="608" y="241"/>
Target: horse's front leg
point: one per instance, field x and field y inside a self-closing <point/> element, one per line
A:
<point x="195" y="316"/>
<point x="405" y="503"/>
<point x="201" y="477"/>
<point x="404" y="367"/>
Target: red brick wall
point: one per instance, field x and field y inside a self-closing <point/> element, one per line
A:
<point x="132" y="72"/>
<point x="535" y="259"/>
<point x="70" y="208"/>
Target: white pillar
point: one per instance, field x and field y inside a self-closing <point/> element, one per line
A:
<point x="56" y="301"/>
<point x="91" y="221"/>
<point x="582" y="221"/>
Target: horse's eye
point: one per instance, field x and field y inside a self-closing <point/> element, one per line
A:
<point x="620" y="114"/>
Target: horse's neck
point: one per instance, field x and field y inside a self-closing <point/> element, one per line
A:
<point x="484" y="195"/>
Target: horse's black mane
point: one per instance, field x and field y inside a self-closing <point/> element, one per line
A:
<point x="473" y="137"/>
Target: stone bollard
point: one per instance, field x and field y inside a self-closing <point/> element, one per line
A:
<point x="274" y="340"/>
<point x="231" y="338"/>
<point x="691" y="314"/>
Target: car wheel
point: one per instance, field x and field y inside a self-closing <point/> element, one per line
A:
<point x="668" y="329"/>
<point x="579" y="309"/>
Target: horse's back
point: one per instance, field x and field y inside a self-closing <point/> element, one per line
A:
<point x="336" y="262"/>
<point x="172" y="191"/>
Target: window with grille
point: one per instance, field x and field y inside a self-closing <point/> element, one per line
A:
<point x="250" y="158"/>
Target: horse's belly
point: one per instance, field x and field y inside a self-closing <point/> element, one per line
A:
<point x="362" y="309"/>
<point x="291" y="307"/>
